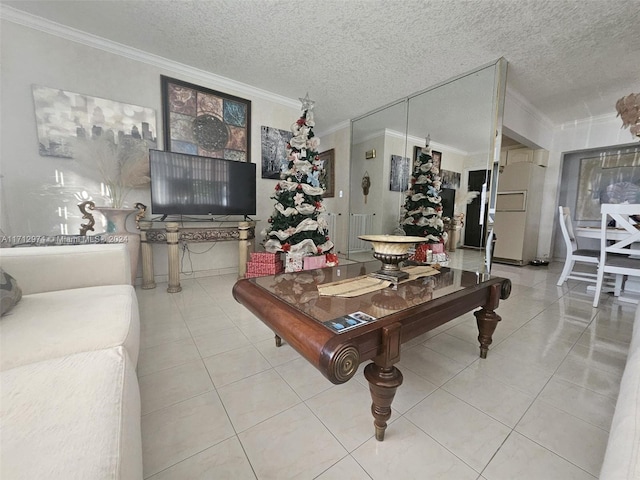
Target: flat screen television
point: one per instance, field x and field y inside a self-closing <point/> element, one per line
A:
<point x="184" y="184"/>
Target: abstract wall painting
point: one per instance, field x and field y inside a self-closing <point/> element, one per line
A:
<point x="205" y="122"/>
<point x="63" y="118"/>
<point x="400" y="174"/>
<point x="274" y="151"/>
<point x="608" y="178"/>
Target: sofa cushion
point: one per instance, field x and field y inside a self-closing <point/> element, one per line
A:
<point x="10" y="292"/>
<point x="622" y="458"/>
<point x="55" y="324"/>
<point x="75" y="417"/>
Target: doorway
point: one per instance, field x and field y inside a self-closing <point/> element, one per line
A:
<point x="474" y="231"/>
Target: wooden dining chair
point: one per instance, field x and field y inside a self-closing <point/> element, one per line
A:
<point x="616" y="256"/>
<point x="574" y="254"/>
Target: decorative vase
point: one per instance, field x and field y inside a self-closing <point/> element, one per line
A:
<point x="116" y="232"/>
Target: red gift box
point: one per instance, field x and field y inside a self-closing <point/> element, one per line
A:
<point x="264" y="268"/>
<point x="265" y="257"/>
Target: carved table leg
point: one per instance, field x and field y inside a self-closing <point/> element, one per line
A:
<point x="384" y="378"/>
<point x="383" y="383"/>
<point x="487" y="321"/>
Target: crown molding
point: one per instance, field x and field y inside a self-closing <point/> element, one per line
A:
<point x="597" y="120"/>
<point x="516" y="97"/>
<point x="78" y="36"/>
<point x="336" y="128"/>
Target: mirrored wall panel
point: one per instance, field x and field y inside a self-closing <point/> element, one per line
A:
<point x="463" y="118"/>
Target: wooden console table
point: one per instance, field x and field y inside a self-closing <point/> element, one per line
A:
<point x="172" y="233"/>
<point x="289" y="303"/>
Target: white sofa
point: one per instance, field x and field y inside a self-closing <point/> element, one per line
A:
<point x="622" y="458"/>
<point x="69" y="399"/>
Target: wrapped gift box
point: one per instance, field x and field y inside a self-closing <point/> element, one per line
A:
<point x="265" y="257"/>
<point x="293" y="262"/>
<point x="312" y="262"/>
<point x="264" y="268"/>
<point x="436" y="247"/>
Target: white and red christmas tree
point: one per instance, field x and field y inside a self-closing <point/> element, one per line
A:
<point x="295" y="225"/>
<point x="422" y="211"/>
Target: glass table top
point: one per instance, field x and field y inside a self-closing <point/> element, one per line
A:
<point x="300" y="290"/>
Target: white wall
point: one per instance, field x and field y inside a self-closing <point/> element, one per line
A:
<point x="523" y="122"/>
<point x="340" y="140"/>
<point x="29" y="195"/>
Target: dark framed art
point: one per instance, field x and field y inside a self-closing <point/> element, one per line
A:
<point x="327" y="177"/>
<point x="273" y="145"/>
<point x="436" y="156"/>
<point x="205" y="122"/>
<point x="400" y="173"/>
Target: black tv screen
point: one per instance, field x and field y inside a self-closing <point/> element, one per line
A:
<point x="192" y="185"/>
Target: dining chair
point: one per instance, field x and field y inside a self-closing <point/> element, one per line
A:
<point x="616" y="256"/>
<point x="575" y="254"/>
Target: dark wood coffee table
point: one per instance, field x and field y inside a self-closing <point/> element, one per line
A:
<point x="290" y="305"/>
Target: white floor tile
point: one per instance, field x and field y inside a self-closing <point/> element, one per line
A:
<point x="345" y="469"/>
<point x="408" y="453"/>
<point x="522" y="459"/>
<point x="229" y="367"/>
<point x="523" y="376"/>
<point x="167" y="355"/>
<point x="224" y="460"/>
<point x="429" y="364"/>
<point x="304" y="378"/>
<point x="304" y="447"/>
<point x="498" y="400"/>
<point x="211" y="321"/>
<point x="220" y="342"/>
<point x="346" y="411"/>
<point x="257" y="398"/>
<point x="588" y="405"/>
<point x="574" y="439"/>
<point x="464" y="430"/>
<point x="574" y="370"/>
<point x="175" y="433"/>
<point x="276" y="355"/>
<point x="173" y="385"/>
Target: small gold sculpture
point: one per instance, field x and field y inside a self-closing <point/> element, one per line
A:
<point x="142" y="210"/>
<point x="85" y="227"/>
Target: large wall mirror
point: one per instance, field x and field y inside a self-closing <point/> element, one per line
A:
<point x="463" y="117"/>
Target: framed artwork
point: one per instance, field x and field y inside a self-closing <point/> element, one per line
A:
<point x="437" y="158"/>
<point x="608" y="178"/>
<point x="399" y="176"/>
<point x="201" y="121"/>
<point x="274" y="151"/>
<point x="449" y="179"/>
<point x="327" y="177"/>
<point x="63" y="118"/>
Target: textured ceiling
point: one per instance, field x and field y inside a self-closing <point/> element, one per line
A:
<point x="570" y="59"/>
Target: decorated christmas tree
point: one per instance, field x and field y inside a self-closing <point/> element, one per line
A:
<point x="422" y="211"/>
<point x="295" y="225"/>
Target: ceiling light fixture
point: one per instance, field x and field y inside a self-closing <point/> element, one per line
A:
<point x="629" y="110"/>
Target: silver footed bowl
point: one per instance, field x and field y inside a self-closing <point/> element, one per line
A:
<point x="391" y="249"/>
<point x="392" y="244"/>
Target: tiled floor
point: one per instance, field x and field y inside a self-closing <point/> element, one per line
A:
<point x="220" y="401"/>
